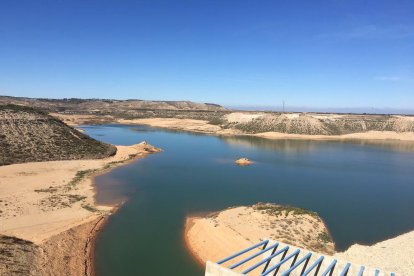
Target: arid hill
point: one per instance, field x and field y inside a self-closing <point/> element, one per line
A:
<point x="108" y="106"/>
<point x="316" y="124"/>
<point x="28" y="134"/>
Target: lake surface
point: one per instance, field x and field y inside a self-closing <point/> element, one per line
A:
<point x="365" y="193"/>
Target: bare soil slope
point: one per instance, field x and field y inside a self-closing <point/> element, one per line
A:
<point x="18" y="256"/>
<point x="319" y="124"/>
<point x="29" y="135"/>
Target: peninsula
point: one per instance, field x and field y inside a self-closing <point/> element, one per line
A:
<point x="49" y="218"/>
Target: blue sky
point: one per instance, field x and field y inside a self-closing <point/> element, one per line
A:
<point x="313" y="54"/>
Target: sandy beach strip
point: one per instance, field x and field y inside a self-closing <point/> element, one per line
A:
<point x="51" y="202"/>
<point x="201" y="126"/>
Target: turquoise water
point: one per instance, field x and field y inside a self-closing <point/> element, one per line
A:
<point x="365" y="193"/>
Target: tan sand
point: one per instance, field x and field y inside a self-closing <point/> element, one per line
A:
<point x="43" y="199"/>
<point x="175" y="124"/>
<point x="222" y="234"/>
<point x="82" y="119"/>
<point x="396" y="254"/>
<point x="242" y="117"/>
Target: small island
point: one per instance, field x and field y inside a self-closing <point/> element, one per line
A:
<point x="223" y="233"/>
<point x="244" y="161"/>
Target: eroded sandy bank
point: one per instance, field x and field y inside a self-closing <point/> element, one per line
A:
<point x="52" y="205"/>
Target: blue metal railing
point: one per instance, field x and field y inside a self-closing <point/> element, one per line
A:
<point x="283" y="250"/>
<point x="305" y="262"/>
<point x="244" y="251"/>
<point x="316" y="264"/>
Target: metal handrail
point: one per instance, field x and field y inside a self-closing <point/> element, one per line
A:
<point x="316" y="265"/>
<point x="242" y="252"/>
<point x="254" y="256"/>
<point x="296" y="252"/>
<point x="286" y="248"/>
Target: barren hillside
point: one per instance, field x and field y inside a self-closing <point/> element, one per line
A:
<point x="317" y="124"/>
<point x="28" y="134"/>
<point x="104" y="106"/>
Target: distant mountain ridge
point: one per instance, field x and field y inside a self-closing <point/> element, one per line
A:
<point x="107" y="105"/>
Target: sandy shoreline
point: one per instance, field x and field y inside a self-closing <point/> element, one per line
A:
<point x="52" y="205"/>
<point x="189" y="223"/>
<point x="201" y="126"/>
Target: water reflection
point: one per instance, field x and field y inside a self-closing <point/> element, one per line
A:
<point x="268" y="144"/>
<point x="299" y="145"/>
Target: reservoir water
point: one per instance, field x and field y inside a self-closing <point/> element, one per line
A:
<point x="364" y="192"/>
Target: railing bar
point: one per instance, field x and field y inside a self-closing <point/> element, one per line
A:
<point x="330" y="268"/>
<point x="304" y="266"/>
<point x="265" y="260"/>
<point x="253" y="256"/>
<point x="345" y="271"/>
<point x="268" y="262"/>
<point x="306" y="258"/>
<point x="317" y="262"/>
<point x="242" y="252"/>
<point x="361" y="271"/>
<point x="317" y="269"/>
<point x="294" y="260"/>
<point x="281" y="259"/>
<point x="297" y="251"/>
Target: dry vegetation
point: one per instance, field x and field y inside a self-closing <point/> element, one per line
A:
<point x="28" y="135"/>
<point x="297" y="226"/>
